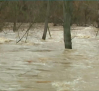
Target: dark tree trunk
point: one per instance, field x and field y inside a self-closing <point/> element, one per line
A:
<point x="98" y="16"/>
<point x="86" y="12"/>
<point x="67" y="12"/>
<point x="46" y="20"/>
<point x="14" y="26"/>
<point x="15" y="18"/>
<point x="85" y="18"/>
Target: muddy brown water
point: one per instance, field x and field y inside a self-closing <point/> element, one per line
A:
<point x="46" y="66"/>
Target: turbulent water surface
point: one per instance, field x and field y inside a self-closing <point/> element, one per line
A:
<point x="39" y="65"/>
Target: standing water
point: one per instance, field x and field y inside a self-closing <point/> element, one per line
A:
<point x="39" y="65"/>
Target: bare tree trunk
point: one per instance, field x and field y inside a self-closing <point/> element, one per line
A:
<point x="86" y="12"/>
<point x="15" y="18"/>
<point x="46" y="21"/>
<point x="98" y="16"/>
<point x="67" y="12"/>
<point x="85" y="18"/>
<point x="14" y="26"/>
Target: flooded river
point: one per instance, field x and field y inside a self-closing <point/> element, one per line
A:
<point x="39" y="65"/>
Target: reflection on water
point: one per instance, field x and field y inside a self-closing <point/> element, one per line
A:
<point x="47" y="66"/>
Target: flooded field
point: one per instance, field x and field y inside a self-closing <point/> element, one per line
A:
<point x="39" y="65"/>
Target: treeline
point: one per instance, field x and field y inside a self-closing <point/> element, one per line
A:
<point x="84" y="12"/>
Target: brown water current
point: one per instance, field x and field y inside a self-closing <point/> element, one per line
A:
<point x="40" y="65"/>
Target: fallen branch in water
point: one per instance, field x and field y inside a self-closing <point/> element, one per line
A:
<point x="25" y="33"/>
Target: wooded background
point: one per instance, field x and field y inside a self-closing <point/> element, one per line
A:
<point x="84" y="12"/>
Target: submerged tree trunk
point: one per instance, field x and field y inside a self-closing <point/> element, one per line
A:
<point x="67" y="12"/>
<point x="46" y="20"/>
